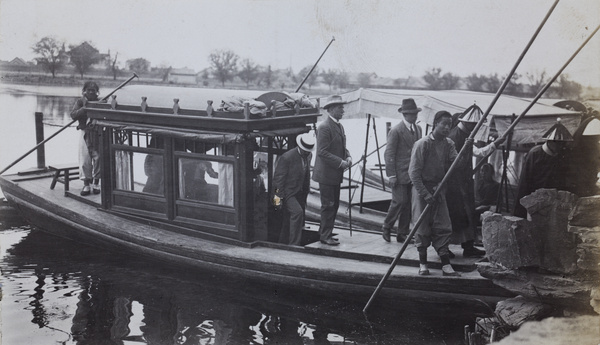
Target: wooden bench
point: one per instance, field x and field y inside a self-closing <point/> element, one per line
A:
<point x="67" y="171"/>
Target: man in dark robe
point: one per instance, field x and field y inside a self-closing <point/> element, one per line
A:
<point x="544" y="165"/>
<point x="461" y="191"/>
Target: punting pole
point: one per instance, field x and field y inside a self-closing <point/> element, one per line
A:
<point x="364" y="167"/>
<point x="350" y="199"/>
<point x="460" y="156"/>
<point x="539" y="95"/>
<point x="63" y="128"/>
<point x="315" y="65"/>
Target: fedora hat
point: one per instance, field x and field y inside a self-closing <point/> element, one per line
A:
<point x="333" y="100"/>
<point x="409" y="106"/>
<point x="306" y="142"/>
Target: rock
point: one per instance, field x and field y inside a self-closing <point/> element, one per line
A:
<point x="595" y="301"/>
<point x="582" y="330"/>
<point x="549" y="210"/>
<point x="511" y="242"/>
<point x="516" y="311"/>
<point x="586" y="212"/>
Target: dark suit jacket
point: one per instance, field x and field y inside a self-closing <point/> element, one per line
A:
<point x="290" y="177"/>
<point x="331" y="151"/>
<point x="397" y="152"/>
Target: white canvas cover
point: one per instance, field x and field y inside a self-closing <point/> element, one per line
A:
<point x="385" y="103"/>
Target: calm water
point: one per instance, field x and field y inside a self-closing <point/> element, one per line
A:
<point x="59" y="292"/>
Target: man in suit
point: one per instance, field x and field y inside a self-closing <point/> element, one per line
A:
<point x="400" y="141"/>
<point x="291" y="181"/>
<point x="331" y="161"/>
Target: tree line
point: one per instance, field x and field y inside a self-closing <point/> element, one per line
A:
<point x="225" y="65"/>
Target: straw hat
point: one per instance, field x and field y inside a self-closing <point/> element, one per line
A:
<point x="306" y="142"/>
<point x="333" y="100"/>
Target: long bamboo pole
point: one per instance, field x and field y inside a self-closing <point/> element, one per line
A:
<point x="63" y="128"/>
<point x="539" y="95"/>
<point x="460" y="156"/>
<point x="315" y="65"/>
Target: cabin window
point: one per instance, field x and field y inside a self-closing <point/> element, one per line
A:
<point x="139" y="172"/>
<point x="205" y="180"/>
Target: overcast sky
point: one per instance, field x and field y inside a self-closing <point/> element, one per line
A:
<point x="394" y="39"/>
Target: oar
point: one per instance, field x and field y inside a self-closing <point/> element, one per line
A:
<point x="460" y="156"/>
<point x="63" y="128"/>
<point x="537" y="97"/>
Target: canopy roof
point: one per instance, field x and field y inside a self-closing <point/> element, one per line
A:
<point x="539" y="119"/>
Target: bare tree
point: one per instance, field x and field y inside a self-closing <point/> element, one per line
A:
<point x="493" y="82"/>
<point x="113" y="66"/>
<point x="343" y="80"/>
<point x="83" y="57"/>
<point x="536" y="81"/>
<point x="566" y="88"/>
<point x="224" y="65"/>
<point x="312" y="78"/>
<point x="249" y="71"/>
<point x="450" y="81"/>
<point x="52" y="54"/>
<point x="476" y="82"/>
<point x="433" y="78"/>
<point x="364" y="79"/>
<point x="330" y="77"/>
<point x="513" y="87"/>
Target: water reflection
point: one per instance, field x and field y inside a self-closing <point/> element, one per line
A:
<point x="90" y="296"/>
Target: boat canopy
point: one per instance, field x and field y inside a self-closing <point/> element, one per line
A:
<point x="385" y="103"/>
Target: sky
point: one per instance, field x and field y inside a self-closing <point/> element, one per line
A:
<point x="395" y="39"/>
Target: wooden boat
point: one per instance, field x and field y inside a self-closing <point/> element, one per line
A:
<point x="190" y="188"/>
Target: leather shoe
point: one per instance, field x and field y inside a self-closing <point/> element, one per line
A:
<point x="386" y="235"/>
<point x="330" y="242"/>
<point x="334" y="238"/>
<point x="472" y="252"/>
<point x="401" y="238"/>
<point x="450" y="274"/>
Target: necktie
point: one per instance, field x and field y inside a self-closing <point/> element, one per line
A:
<point x="412" y="129"/>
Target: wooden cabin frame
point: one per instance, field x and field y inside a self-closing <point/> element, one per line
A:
<point x="177" y="140"/>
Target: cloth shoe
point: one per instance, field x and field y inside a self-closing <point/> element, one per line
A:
<point x="330" y="242"/>
<point x="85" y="191"/>
<point x="96" y="189"/>
<point x="401" y="238"/>
<point x="472" y="252"/>
<point x="448" y="271"/>
<point x="423" y="271"/>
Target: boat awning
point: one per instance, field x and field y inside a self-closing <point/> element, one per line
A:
<point x="204" y="136"/>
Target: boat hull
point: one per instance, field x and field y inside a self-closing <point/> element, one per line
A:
<point x="306" y="270"/>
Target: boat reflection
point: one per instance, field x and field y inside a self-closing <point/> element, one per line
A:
<point x="120" y="299"/>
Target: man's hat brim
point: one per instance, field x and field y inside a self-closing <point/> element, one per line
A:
<point x="410" y="111"/>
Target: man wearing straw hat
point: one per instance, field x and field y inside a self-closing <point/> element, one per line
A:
<point x="291" y="181"/>
<point x="544" y="165"/>
<point x="331" y="161"/>
<point x="401" y="139"/>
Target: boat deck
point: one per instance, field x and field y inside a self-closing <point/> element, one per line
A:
<point x="362" y="244"/>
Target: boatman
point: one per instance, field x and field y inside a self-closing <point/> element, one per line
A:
<point x="431" y="158"/>
<point x="544" y="165"/>
<point x="291" y="181"/>
<point x="331" y="161"/>
<point x="89" y="142"/>
<point x="400" y="141"/>
<point x="460" y="193"/>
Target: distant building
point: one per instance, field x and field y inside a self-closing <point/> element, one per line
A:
<point x="181" y="76"/>
<point x="18" y="62"/>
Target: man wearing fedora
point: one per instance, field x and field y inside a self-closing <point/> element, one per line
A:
<point x="331" y="161"/>
<point x="400" y="141"/>
<point x="291" y="181"/>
